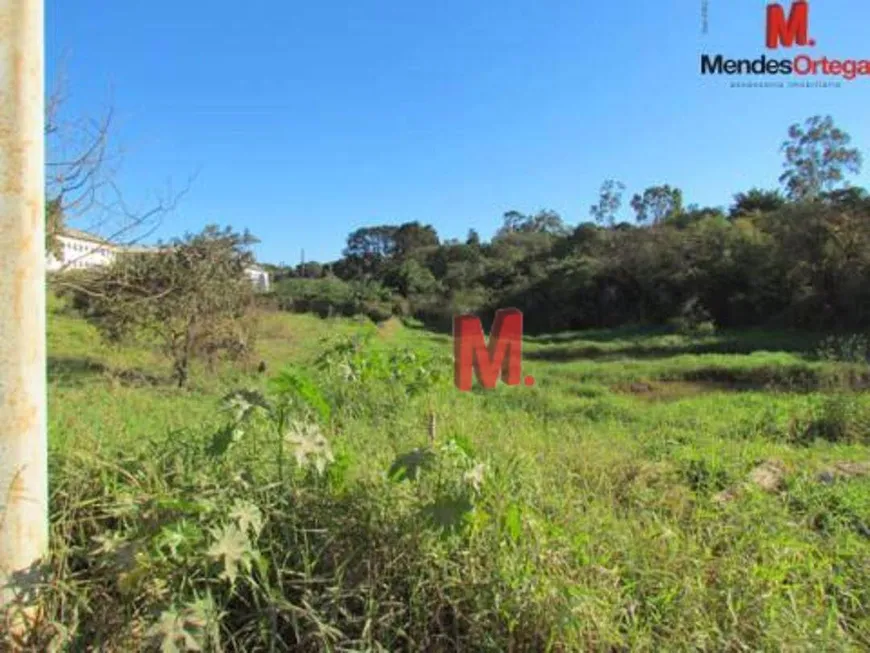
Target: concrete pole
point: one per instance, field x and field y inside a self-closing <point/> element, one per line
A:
<point x="23" y="464"/>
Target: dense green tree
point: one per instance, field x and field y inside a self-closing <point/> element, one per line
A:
<point x="657" y="203"/>
<point x="310" y="270"/>
<point x="694" y="213"/>
<point x="817" y="158"/>
<point x="411" y="279"/>
<point x="411" y="237"/>
<point x="755" y="200"/>
<point x="772" y="259"/>
<point x="609" y="202"/>
<point x="513" y="221"/>
<point x="542" y="222"/>
<point x="852" y="198"/>
<point x="368" y="242"/>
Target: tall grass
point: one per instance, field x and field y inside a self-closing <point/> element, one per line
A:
<point x="308" y="509"/>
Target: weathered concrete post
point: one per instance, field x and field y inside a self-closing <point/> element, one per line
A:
<point x="23" y="473"/>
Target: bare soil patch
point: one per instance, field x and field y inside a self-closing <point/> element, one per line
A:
<point x="675" y="390"/>
<point x="794" y="379"/>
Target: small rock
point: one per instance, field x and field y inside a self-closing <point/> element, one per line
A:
<point x="726" y="495"/>
<point x="826" y="477"/>
<point x="843" y="469"/>
<point x="847" y="468"/>
<point x="769" y="476"/>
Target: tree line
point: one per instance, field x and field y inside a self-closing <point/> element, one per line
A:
<point x="797" y="256"/>
<point x="793" y="257"/>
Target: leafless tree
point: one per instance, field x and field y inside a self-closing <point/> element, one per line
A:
<point x="82" y="163"/>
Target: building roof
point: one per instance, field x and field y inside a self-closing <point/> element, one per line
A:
<point x="84" y="235"/>
<point x="78" y="234"/>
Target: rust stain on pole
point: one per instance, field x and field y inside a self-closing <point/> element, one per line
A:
<point x="23" y="468"/>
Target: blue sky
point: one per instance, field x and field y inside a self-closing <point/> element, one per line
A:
<point x="308" y="120"/>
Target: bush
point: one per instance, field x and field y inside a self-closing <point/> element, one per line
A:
<point x="852" y="348"/>
<point x="193" y="298"/>
<point x="377" y="311"/>
<point x="840" y="418"/>
<point x="331" y="296"/>
<point x="401" y="307"/>
<point x="693" y="320"/>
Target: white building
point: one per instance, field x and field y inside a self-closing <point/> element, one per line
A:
<point x="259" y="276"/>
<point x="80" y="249"/>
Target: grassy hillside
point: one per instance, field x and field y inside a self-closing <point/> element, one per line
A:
<point x="650" y="492"/>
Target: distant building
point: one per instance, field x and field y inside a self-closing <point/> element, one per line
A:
<point x="80" y="250"/>
<point x="259" y="276"/>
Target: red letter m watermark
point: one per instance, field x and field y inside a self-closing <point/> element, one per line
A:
<point x="503" y="355"/>
<point x="785" y="32"/>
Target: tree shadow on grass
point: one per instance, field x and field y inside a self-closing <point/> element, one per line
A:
<point x="76" y="371"/>
<point x="630" y="342"/>
<point x="793" y="379"/>
<point x="565" y="354"/>
<point x="735" y="345"/>
<point x="599" y="335"/>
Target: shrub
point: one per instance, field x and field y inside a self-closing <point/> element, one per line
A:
<point x="193" y="297"/>
<point x="852" y="348"/>
<point x="331" y="296"/>
<point x="693" y="320"/>
<point x="840" y="418"/>
<point x="377" y="311"/>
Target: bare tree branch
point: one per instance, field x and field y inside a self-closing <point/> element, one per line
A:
<point x="105" y="295"/>
<point x="81" y="173"/>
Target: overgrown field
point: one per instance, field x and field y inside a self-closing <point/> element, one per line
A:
<point x="650" y="492"/>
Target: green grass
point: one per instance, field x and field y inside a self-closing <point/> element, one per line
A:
<point x="580" y="514"/>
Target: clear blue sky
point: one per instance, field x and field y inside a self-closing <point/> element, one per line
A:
<point x="308" y="120"/>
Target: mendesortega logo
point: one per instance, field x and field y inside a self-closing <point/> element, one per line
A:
<point x="783" y="31"/>
<point x="801" y="65"/>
